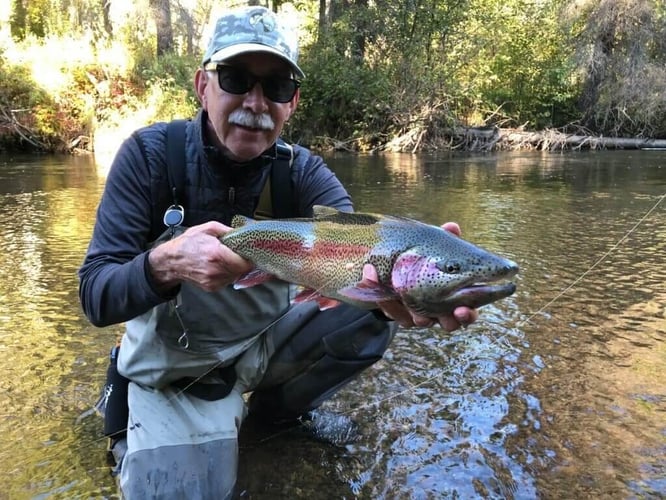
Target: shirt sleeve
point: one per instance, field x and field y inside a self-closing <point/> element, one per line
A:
<point x="114" y="279"/>
<point x="317" y="184"/>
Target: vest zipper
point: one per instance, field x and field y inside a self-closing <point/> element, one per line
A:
<point x="231" y="197"/>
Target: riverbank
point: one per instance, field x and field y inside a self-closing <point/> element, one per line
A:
<point x="107" y="139"/>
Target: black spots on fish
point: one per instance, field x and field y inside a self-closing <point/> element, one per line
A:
<point x="383" y="264"/>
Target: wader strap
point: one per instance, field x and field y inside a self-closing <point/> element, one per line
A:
<point x="175" y="157"/>
<point x="176" y="161"/>
<point x="277" y="199"/>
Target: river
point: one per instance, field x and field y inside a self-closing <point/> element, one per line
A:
<point x="556" y="392"/>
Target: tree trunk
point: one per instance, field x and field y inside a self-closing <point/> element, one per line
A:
<point x="421" y="137"/>
<point x="360" y="35"/>
<point x="161" y="10"/>
<point x="552" y="140"/>
<point x="186" y="18"/>
<point x="322" y="19"/>
<point x="106" y="14"/>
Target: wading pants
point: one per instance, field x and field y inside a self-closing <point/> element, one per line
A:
<point x="180" y="446"/>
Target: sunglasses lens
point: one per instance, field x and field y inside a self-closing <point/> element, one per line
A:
<point x="234" y="80"/>
<point x="238" y="81"/>
<point x="279" y="89"/>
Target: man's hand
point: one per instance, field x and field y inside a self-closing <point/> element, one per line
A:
<point x="197" y="257"/>
<point x="462" y="316"/>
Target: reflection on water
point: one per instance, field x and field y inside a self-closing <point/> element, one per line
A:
<point x="556" y="392"/>
<point x="50" y="365"/>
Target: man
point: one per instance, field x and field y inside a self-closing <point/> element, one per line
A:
<point x="193" y="344"/>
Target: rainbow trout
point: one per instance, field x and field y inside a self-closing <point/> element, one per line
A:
<point x="430" y="269"/>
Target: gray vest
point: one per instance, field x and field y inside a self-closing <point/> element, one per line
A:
<point x="198" y="331"/>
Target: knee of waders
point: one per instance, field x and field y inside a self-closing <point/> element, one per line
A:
<point x="355" y="334"/>
<point x="354" y="340"/>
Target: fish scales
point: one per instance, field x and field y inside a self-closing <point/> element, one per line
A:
<point x="339" y="252"/>
<point x="430" y="269"/>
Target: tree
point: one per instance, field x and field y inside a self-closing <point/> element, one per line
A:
<point x="106" y="16"/>
<point x="27" y="18"/>
<point x="620" y="48"/>
<point x="161" y="11"/>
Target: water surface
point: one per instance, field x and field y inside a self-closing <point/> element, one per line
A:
<point x="557" y="392"/>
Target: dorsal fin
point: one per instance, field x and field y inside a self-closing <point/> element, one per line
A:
<point x="240" y="221"/>
<point x="330" y="214"/>
<point x="322" y="211"/>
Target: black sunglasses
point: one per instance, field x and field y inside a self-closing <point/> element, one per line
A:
<point x="238" y="81"/>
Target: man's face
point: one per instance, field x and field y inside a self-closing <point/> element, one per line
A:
<point x="245" y="125"/>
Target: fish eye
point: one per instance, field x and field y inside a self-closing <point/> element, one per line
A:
<point x="449" y="266"/>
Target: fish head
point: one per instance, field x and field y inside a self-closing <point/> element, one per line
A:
<point x="447" y="272"/>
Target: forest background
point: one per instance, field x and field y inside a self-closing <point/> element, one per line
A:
<point x="381" y="74"/>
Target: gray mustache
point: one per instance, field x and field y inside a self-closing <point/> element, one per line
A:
<point x="246" y="118"/>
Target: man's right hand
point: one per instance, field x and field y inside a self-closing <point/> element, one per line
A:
<point x="197" y="256"/>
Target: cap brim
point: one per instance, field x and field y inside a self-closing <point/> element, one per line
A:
<point x="243" y="48"/>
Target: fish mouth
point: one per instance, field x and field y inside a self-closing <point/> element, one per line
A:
<point x="480" y="294"/>
<point x="473" y="296"/>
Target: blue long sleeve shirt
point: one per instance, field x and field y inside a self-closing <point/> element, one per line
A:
<point x="115" y="282"/>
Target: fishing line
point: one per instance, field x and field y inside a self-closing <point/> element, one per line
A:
<point x="599" y="261"/>
<point x="496" y="341"/>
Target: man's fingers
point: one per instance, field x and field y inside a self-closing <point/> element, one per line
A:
<point x="422" y="321"/>
<point x="211" y="228"/>
<point x="396" y="310"/>
<point x="448" y="323"/>
<point x="465" y="316"/>
<point x="370" y="273"/>
<point x="452" y="227"/>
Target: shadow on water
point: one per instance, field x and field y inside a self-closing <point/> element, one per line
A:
<point x="536" y="400"/>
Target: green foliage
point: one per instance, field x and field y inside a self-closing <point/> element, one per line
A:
<point x="17" y="89"/>
<point x="24" y="108"/>
<point x="510" y="61"/>
<point x="383" y="67"/>
<point x="169" y="80"/>
<point x="339" y="99"/>
<point x="622" y="55"/>
<point x="376" y="70"/>
<point x="107" y="90"/>
<point x="41" y="18"/>
<point x="166" y="83"/>
<point x="28" y="18"/>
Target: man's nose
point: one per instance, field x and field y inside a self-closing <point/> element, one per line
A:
<point x="255" y="99"/>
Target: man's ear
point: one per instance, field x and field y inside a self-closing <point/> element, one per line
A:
<point x="200" y="83"/>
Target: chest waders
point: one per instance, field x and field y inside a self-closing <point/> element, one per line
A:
<point x="275" y="201"/>
<point x="307" y="356"/>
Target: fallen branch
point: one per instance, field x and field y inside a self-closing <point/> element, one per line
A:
<point x="492" y="139"/>
<point x="9" y="121"/>
<point x="552" y="140"/>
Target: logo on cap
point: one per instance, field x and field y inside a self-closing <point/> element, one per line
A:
<point x="260" y="19"/>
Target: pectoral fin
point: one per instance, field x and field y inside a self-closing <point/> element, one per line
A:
<point x="368" y="291"/>
<point x="307" y="294"/>
<point x="253" y="278"/>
